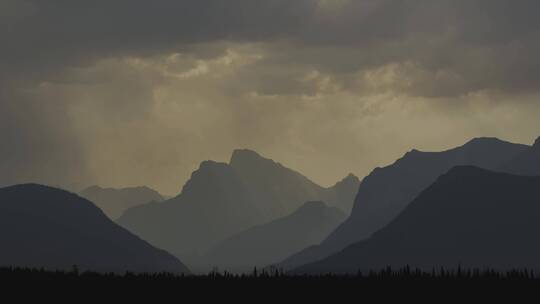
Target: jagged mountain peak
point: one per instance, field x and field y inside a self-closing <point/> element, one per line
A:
<point x="412" y="154"/>
<point x="350" y="178"/>
<point x="241" y="157"/>
<point x="211" y="165"/>
<point x="210" y="172"/>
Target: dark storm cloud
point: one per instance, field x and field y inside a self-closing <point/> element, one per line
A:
<point x="486" y="44"/>
<point x="74" y="32"/>
<point x="95" y="83"/>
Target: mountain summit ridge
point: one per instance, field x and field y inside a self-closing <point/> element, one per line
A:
<point x="220" y="200"/>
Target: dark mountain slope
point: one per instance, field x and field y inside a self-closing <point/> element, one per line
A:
<point x="526" y="163"/>
<point x="47" y="227"/>
<point x="387" y="191"/>
<point x="469" y="217"/>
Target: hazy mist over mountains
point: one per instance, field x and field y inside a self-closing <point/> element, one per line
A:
<point x="280" y="190"/>
<point x="254" y="212"/>
<point x="221" y="200"/>
<point x="269" y="243"/>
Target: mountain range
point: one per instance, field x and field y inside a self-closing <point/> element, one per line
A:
<point x="221" y="200"/>
<point x="45" y="227"/>
<point x="387" y="191"/>
<point x="472" y="206"/>
<point x="115" y="201"/>
<point x="469" y="218"/>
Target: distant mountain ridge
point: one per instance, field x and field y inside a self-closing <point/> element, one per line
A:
<point x="213" y="205"/>
<point x="469" y="218"/>
<point x="280" y="190"/>
<point x="387" y="191"/>
<point x="46" y="227"/>
<point x="115" y="201"/>
<point x="269" y="243"/>
<point x="221" y="200"/>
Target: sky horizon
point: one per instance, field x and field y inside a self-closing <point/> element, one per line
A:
<point x="128" y="93"/>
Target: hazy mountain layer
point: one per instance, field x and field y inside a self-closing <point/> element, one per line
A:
<point x="221" y="200"/>
<point x="269" y="243"/>
<point x="213" y="205"/>
<point x="115" y="201"/>
<point x="47" y="227"/>
<point x="469" y="217"/>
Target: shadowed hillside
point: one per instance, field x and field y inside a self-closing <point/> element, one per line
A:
<point x="47" y="227"/>
<point x="269" y="243"/>
<point x="526" y="163"/>
<point x="469" y="218"/>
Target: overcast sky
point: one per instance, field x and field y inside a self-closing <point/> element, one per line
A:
<point x="131" y="92"/>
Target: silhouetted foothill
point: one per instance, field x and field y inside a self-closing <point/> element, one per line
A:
<point x="46" y="227"/>
<point x="469" y="218"/>
<point x="386" y="192"/>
